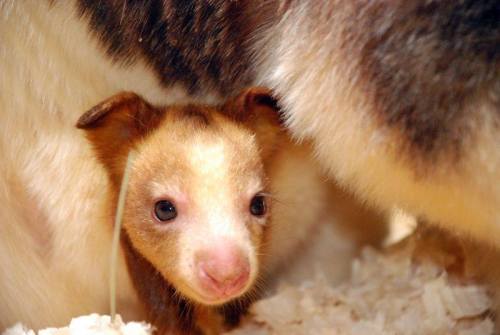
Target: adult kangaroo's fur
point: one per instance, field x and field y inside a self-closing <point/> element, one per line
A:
<point x="400" y="98"/>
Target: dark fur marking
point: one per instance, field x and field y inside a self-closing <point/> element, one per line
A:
<point x="234" y="310"/>
<point x="421" y="61"/>
<point x="168" y="311"/>
<point x="267" y="100"/>
<point x="200" y="44"/>
<point x="424" y="62"/>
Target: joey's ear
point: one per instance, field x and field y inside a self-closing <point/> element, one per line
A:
<point x="115" y="124"/>
<point x="257" y="108"/>
<point x="124" y="110"/>
<point x="251" y="103"/>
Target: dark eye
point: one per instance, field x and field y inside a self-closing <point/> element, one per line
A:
<point x="165" y="210"/>
<point x="258" y="205"/>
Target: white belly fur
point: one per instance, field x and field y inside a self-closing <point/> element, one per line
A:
<point x="54" y="251"/>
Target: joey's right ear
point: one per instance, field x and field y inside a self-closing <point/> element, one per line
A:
<point x="257" y="108"/>
<point x="115" y="124"/>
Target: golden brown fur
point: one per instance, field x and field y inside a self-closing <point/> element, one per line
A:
<point x="239" y="139"/>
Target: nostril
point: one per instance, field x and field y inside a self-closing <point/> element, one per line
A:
<point x="239" y="281"/>
<point x="225" y="273"/>
<point x="223" y="270"/>
<point x="224" y="286"/>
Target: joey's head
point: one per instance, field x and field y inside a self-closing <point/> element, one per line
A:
<point x="196" y="207"/>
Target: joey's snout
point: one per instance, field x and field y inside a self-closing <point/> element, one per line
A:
<point x="223" y="270"/>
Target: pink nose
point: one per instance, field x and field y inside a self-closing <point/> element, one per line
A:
<point x="223" y="269"/>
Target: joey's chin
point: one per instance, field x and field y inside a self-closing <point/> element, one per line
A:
<point x="219" y="293"/>
<point x="207" y="292"/>
<point x="215" y="299"/>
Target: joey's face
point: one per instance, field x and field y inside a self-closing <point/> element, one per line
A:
<point x="196" y="207"/>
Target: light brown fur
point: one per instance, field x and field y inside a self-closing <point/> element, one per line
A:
<point x="240" y="144"/>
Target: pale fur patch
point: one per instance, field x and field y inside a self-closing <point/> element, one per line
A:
<point x="52" y="71"/>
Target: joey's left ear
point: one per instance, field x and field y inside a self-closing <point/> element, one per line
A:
<point x="258" y="109"/>
<point x="114" y="125"/>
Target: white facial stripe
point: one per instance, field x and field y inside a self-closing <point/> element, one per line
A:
<point x="214" y="196"/>
<point x="209" y="159"/>
<point x="213" y="192"/>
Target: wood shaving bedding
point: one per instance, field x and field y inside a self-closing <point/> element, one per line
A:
<point x="402" y="291"/>
<point x="387" y="294"/>
<point x="93" y="324"/>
